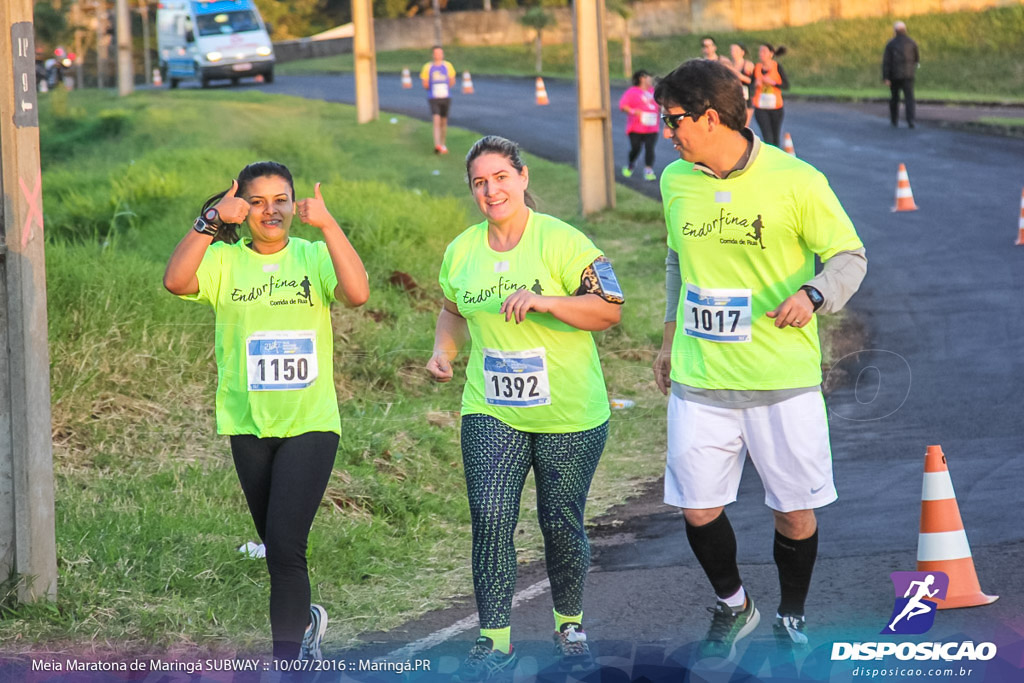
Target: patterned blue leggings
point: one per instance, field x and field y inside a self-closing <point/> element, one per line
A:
<point x="496" y="459"/>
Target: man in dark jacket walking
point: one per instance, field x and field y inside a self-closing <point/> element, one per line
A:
<point x="899" y="64"/>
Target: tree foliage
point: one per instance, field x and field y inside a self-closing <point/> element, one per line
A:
<point x="51" y="25"/>
<point x="538" y="19"/>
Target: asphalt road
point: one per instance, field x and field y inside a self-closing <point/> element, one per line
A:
<point x="944" y="311"/>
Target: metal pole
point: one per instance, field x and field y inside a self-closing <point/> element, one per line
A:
<point x="125" y="75"/>
<point x="101" y="45"/>
<point x="27" y="543"/>
<point x="147" y="60"/>
<point x="437" y="22"/>
<point x="367" y="107"/>
<point x="594" y="151"/>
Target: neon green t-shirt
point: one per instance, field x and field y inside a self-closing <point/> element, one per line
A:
<point x="541" y="375"/>
<point x="274" y="343"/>
<point x="745" y="244"/>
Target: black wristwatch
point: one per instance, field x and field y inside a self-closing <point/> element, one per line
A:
<point x="209" y="223"/>
<point x="814" y="295"/>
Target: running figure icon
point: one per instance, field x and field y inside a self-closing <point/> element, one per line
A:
<point x="757" y="226"/>
<point x="915" y="606"/>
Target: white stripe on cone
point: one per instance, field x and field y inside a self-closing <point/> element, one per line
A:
<point x="937" y="486"/>
<point x="943" y="545"/>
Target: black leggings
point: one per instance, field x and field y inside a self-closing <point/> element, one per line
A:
<point x="497" y="459"/>
<point x="647" y="140"/>
<point x="770" y="123"/>
<point x="283" y="481"/>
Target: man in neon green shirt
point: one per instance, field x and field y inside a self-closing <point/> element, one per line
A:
<point x="740" y="356"/>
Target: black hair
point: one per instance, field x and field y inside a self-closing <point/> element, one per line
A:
<point x="257" y="169"/>
<point x="638" y="75"/>
<point x="697" y="85"/>
<point x="742" y="47"/>
<point x="713" y="41"/>
<point x="776" y="51"/>
<point x="495" y="144"/>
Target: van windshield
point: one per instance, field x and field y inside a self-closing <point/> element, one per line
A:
<point x="227" y="22"/>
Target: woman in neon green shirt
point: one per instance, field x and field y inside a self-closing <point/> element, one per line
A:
<point x="527" y="290"/>
<point x="271" y="296"/>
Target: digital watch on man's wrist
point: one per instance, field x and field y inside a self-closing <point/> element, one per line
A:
<point x="814" y="295"/>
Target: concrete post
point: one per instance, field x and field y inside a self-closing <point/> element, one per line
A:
<point x="365" y="57"/>
<point x="594" y="151"/>
<point x="27" y="543"/>
<point x="125" y="73"/>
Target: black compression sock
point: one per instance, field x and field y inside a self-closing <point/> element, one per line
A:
<point x="714" y="544"/>
<point x="795" y="560"/>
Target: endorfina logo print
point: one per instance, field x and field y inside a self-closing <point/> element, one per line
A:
<point x="913" y="612"/>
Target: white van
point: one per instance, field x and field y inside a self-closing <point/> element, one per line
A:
<point x="225" y="39"/>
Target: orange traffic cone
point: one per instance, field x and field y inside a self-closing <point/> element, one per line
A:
<point x="787" y="145"/>
<point x="158" y="79"/>
<point x="467" y="83"/>
<point x="904" y="197"/>
<point x="406" y="80"/>
<point x="1020" y="225"/>
<point x="542" y="93"/>
<point x="942" y="544"/>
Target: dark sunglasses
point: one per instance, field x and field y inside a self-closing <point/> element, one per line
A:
<point x="671" y="121"/>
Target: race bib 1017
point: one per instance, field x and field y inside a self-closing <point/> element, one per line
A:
<point x="718" y="315"/>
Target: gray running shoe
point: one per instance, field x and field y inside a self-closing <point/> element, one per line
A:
<point x="727" y="626"/>
<point x="314" y="634"/>
<point x="484" y="663"/>
<point x="571" y="646"/>
<point x="790" y="633"/>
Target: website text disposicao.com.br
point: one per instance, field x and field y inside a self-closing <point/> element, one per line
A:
<point x="913" y="657"/>
<point x="910" y="671"/>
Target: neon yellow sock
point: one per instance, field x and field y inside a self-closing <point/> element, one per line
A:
<point x="502" y="637"/>
<point x="561" y="619"/>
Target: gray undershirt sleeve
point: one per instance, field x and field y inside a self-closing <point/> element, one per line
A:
<point x="839" y="279"/>
<point x="674" y="283"/>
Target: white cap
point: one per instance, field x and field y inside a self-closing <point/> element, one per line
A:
<point x="899" y="27"/>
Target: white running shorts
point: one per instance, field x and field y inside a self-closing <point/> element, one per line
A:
<point x="787" y="442"/>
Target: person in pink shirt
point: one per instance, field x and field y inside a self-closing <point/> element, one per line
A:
<point x="641" y="122"/>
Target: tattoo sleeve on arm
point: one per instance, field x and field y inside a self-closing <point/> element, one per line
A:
<point x="599" y="278"/>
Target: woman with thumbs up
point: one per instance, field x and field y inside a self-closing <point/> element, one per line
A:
<point x="271" y="296"/>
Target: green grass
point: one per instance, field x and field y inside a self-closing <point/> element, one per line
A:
<point x="1007" y="122"/>
<point x="149" y="513"/>
<point x="965" y="56"/>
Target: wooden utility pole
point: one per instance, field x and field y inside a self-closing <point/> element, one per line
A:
<point x="125" y="73"/>
<point x="594" y="122"/>
<point x="365" y="53"/>
<point x="27" y="543"/>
